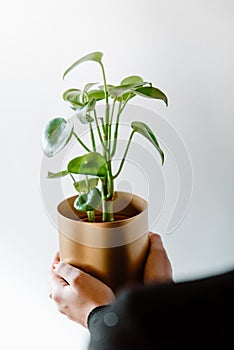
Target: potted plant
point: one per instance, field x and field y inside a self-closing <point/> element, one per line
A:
<point x="102" y="231"/>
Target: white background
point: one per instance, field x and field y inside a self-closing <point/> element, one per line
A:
<point x="184" y="47"/>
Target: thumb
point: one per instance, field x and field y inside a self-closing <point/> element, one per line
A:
<point x="68" y="272"/>
<point x="158" y="267"/>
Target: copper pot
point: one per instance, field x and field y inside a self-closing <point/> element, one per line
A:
<point x="114" y="252"/>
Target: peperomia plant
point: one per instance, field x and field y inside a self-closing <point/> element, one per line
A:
<point x="104" y="129"/>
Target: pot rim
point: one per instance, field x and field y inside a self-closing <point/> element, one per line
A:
<point x="106" y="234"/>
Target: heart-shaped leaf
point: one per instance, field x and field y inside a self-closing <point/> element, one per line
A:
<point x="96" y="94"/>
<point x="88" y="202"/>
<point x="131" y="80"/>
<point x="86" y="185"/>
<point x="145" y="131"/>
<point x="94" y="56"/>
<point x="56" y="135"/>
<point x="92" y="163"/>
<point x="57" y="175"/>
<point x="151" y="92"/>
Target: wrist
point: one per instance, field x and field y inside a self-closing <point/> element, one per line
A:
<point x="95" y="313"/>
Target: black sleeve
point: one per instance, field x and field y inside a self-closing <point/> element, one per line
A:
<point x="188" y="315"/>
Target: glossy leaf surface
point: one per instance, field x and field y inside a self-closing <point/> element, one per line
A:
<point x="86" y="185"/>
<point x="88" y="201"/>
<point x="117" y="91"/>
<point x="56" y="135"/>
<point x="92" y="163"/>
<point x="96" y="94"/>
<point x="94" y="56"/>
<point x="82" y="113"/>
<point x="151" y="92"/>
<point x="145" y="131"/>
<point x="57" y="175"/>
<point x="133" y="79"/>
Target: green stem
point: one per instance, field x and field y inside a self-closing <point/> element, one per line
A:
<point x="124" y="105"/>
<point x="82" y="144"/>
<point x="112" y="111"/>
<point x="104" y="81"/>
<point x="92" y="137"/>
<point x="91" y="216"/>
<point x="124" y="156"/>
<point x="73" y="179"/>
<point x="107" y="196"/>
<point x="87" y="182"/>
<point x="103" y="125"/>
<point x="107" y="213"/>
<point x="98" y="129"/>
<point x="116" y="131"/>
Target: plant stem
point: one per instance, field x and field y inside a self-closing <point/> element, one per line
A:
<point x="107" y="196"/>
<point x="107" y="185"/>
<point x="82" y="144"/>
<point x="124" y="156"/>
<point x="116" y="131"/>
<point x="112" y="111"/>
<point x="91" y="216"/>
<point x="92" y="137"/>
<point x="98" y="129"/>
<point x="73" y="179"/>
<point x="104" y="81"/>
<point x="107" y="210"/>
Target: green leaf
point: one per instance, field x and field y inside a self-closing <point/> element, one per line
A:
<point x="108" y="86"/>
<point x="128" y="96"/>
<point x="86" y="185"/>
<point x="117" y="91"/>
<point x="74" y="97"/>
<point x="83" y="116"/>
<point x="88" y="202"/>
<point x="92" y="163"/>
<point x="132" y="80"/>
<point x="56" y="135"/>
<point x="82" y="113"/>
<point x="94" y="56"/>
<point x="96" y="94"/>
<point x="88" y="86"/>
<point x="151" y="92"/>
<point x="145" y="131"/>
<point x="57" y="175"/>
<point x="71" y="94"/>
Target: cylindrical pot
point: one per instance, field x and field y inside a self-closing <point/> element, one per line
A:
<point x="114" y="252"/>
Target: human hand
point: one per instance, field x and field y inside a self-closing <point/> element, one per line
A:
<point x="158" y="267"/>
<point x="75" y="292"/>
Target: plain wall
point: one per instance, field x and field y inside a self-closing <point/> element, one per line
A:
<point x="184" y="47"/>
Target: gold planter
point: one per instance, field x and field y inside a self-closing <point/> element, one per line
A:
<point x="114" y="252"/>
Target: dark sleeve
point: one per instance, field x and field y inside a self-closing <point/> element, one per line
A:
<point x="188" y="315"/>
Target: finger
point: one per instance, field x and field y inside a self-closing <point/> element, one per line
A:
<point x="156" y="243"/>
<point x="57" y="279"/>
<point x="69" y="273"/>
<point x="56" y="260"/>
<point x="56" y="285"/>
<point x="158" y="267"/>
<point x="54" y="282"/>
